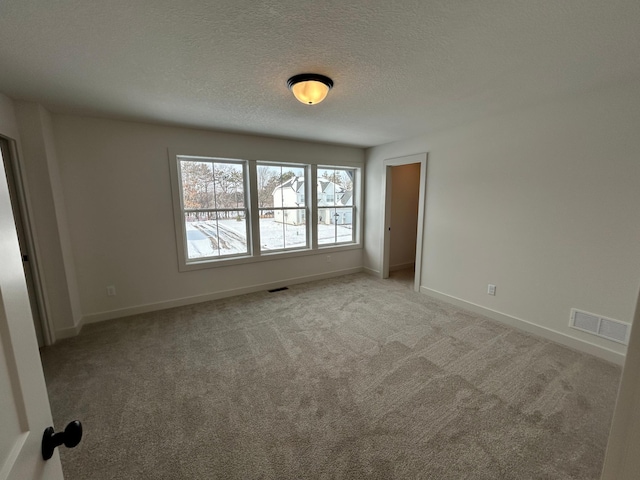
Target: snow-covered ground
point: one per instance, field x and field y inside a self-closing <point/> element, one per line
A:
<point x="229" y="237"/>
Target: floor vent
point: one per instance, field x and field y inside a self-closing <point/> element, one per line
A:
<point x="278" y="289"/>
<point x="608" y="328"/>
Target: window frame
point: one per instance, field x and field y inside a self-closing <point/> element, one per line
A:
<point x="306" y="208"/>
<point x="354" y="207"/>
<point x="254" y="254"/>
<point x="183" y="211"/>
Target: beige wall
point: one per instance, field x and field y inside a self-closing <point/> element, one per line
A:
<point x="540" y="202"/>
<point x="115" y="177"/>
<point x="405" y="190"/>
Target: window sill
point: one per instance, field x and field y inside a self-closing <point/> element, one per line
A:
<point x="266" y="257"/>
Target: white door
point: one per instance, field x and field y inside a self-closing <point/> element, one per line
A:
<point x="24" y="404"/>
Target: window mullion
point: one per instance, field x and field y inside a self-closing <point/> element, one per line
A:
<point x="312" y="194"/>
<point x="254" y="212"/>
<point x="213" y="210"/>
<point x="357" y="205"/>
<point x="215" y="204"/>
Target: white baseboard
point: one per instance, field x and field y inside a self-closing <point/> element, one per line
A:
<point x="544" y="332"/>
<point x="371" y="271"/>
<point x="179" y="302"/>
<point x="402" y="266"/>
<point x="69" y="332"/>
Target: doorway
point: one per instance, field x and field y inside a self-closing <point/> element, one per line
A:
<point x="9" y="157"/>
<point x="404" y="187"/>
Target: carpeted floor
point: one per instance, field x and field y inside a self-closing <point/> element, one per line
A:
<point x="348" y="378"/>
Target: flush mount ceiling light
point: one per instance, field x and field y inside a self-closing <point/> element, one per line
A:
<point x="310" y="88"/>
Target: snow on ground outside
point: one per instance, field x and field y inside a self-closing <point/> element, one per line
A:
<point x="204" y="238"/>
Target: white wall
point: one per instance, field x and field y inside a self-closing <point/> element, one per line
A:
<point x="49" y="221"/>
<point x="8" y="122"/>
<point x="542" y="203"/>
<point x="115" y="177"/>
<point x="61" y="216"/>
<point x="46" y="199"/>
<point x="28" y="125"/>
<point x="405" y="190"/>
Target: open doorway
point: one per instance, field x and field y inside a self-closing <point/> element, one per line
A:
<point x="404" y="187"/>
<point x="9" y="157"/>
<point x="405" y="191"/>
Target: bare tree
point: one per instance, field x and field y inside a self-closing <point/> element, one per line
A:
<point x="229" y="191"/>
<point x="197" y="184"/>
<point x="266" y="184"/>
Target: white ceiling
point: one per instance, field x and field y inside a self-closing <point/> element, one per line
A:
<point x="401" y="68"/>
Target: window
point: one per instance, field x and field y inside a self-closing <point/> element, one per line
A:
<point x="230" y="211"/>
<point x="281" y="207"/>
<point x="214" y="207"/>
<point x="336" y="209"/>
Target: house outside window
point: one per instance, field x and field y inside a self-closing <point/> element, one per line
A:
<point x="336" y="210"/>
<point x="283" y="211"/>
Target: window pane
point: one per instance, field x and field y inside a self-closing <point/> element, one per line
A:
<point x="268" y="180"/>
<point x="326" y="228"/>
<point x="335" y="205"/>
<point x="335" y="225"/>
<point x="197" y="184"/>
<point x="229" y="185"/>
<point x="215" y="234"/>
<point x="271" y="232"/>
<point x="280" y="186"/>
<point x="295" y="228"/>
<point x="335" y="187"/>
<point x="343" y="219"/>
<point x="283" y="228"/>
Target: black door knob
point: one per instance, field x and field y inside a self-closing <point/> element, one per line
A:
<point x="70" y="437"/>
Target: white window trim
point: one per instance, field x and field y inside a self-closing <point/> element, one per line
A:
<point x="356" y="207"/>
<point x="307" y="208"/>
<point x="253" y="233"/>
<point x="176" y="189"/>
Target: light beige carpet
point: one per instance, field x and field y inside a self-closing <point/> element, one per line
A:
<point x="348" y="378"/>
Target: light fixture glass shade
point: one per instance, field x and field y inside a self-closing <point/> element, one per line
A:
<point x="310" y="88"/>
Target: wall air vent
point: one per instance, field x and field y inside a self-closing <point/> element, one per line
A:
<point x="608" y="328"/>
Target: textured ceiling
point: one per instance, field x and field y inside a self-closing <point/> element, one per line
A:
<point x="400" y="68"/>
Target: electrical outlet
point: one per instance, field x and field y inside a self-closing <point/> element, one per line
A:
<point x="111" y="291"/>
<point x="491" y="289"/>
<point x="328" y="258"/>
